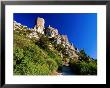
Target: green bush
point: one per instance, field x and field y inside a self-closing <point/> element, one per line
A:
<point x="88" y="68"/>
<point x="84" y="68"/>
<point x="37" y="69"/>
<point x="42" y="70"/>
<point x="52" y="64"/>
<point x="59" y="61"/>
<point x="18" y="53"/>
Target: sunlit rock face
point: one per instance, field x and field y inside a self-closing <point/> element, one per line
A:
<point x="51" y="33"/>
<point x="64" y="40"/>
<point x="58" y="39"/>
<point x="19" y="26"/>
<point x="33" y="34"/>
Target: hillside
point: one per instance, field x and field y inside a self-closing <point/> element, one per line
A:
<point x="44" y="53"/>
<point x="31" y="59"/>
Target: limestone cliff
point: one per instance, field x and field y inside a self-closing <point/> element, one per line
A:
<point x="52" y="34"/>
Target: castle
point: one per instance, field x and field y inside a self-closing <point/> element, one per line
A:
<point x="51" y="33"/>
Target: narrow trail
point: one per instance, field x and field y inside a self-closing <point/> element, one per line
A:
<point x="66" y="70"/>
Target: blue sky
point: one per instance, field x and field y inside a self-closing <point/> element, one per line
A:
<point x="81" y="28"/>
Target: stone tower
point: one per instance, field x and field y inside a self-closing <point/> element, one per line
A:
<point x="40" y="22"/>
<point x="39" y="27"/>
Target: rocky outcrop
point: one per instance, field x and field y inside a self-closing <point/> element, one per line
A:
<point x="51" y="33"/>
<point x="19" y="26"/>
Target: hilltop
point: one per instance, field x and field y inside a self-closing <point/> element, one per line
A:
<point x="42" y="50"/>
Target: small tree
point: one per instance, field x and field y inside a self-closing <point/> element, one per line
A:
<point x="82" y="55"/>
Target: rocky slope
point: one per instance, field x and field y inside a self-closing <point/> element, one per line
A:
<point x="40" y="53"/>
<point x="53" y="36"/>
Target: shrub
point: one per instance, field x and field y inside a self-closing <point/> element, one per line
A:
<point x="42" y="70"/>
<point x="84" y="68"/>
<point x="43" y="42"/>
<point x="52" y="64"/>
<point x="18" y="53"/>
<point x="88" y="68"/>
<point x="59" y="61"/>
<point x="37" y="69"/>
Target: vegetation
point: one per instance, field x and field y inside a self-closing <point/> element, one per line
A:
<point x="85" y="65"/>
<point x="43" y="56"/>
<point x="31" y="58"/>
